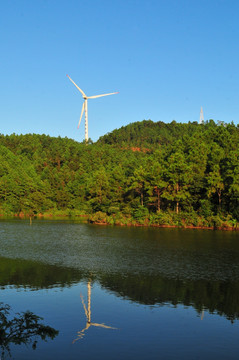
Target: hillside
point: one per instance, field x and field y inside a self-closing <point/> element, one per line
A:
<point x="149" y="134"/>
<point x="181" y="174"/>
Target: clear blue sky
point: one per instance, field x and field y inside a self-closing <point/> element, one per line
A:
<point x="167" y="58"/>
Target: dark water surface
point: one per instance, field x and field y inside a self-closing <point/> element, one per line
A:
<point x="121" y="293"/>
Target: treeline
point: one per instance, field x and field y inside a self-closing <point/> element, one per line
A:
<point x="143" y="173"/>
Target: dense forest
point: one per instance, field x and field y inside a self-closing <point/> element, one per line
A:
<point x="183" y="174"/>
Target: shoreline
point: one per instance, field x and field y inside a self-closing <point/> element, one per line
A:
<point x="221" y="228"/>
<point x="87" y="218"/>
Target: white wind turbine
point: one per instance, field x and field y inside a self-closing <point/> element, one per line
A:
<point x="85" y="107"/>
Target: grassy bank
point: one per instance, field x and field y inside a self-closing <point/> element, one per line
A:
<point x="167" y="219"/>
<point x="161" y="219"/>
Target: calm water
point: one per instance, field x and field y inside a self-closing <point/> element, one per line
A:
<point x="121" y="293"/>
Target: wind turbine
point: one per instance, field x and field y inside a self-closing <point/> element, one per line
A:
<point x="201" y="120"/>
<point x="88" y="316"/>
<point x="85" y="106"/>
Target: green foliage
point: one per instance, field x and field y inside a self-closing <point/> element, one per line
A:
<point x="173" y="174"/>
<point x="140" y="214"/>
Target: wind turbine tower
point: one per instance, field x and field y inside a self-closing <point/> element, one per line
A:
<point x="201" y="120"/>
<point x="89" y="323"/>
<point x="85" y="106"/>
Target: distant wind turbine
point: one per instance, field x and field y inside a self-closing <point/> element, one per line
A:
<point x="85" y="107"/>
<point x="201" y="120"/>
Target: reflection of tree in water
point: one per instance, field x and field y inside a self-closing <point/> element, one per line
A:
<point x="219" y="297"/>
<point x="87" y="310"/>
<point x="24" y="328"/>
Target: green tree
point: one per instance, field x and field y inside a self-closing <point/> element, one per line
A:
<point x="215" y="183"/>
<point x="178" y="177"/>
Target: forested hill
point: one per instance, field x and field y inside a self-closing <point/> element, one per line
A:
<point x="144" y="133"/>
<point x="181" y="174"/>
<point x="149" y="134"/>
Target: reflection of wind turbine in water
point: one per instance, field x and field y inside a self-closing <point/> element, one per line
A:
<point x="85" y="105"/>
<point x="88" y="315"/>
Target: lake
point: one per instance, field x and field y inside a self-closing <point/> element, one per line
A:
<point x="119" y="292"/>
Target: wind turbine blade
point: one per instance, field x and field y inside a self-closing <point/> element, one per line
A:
<point x="83" y="303"/>
<point x="82" y="110"/>
<point x="81" y="334"/>
<point x="97" y="96"/>
<point x="103" y="326"/>
<point x="82" y="92"/>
